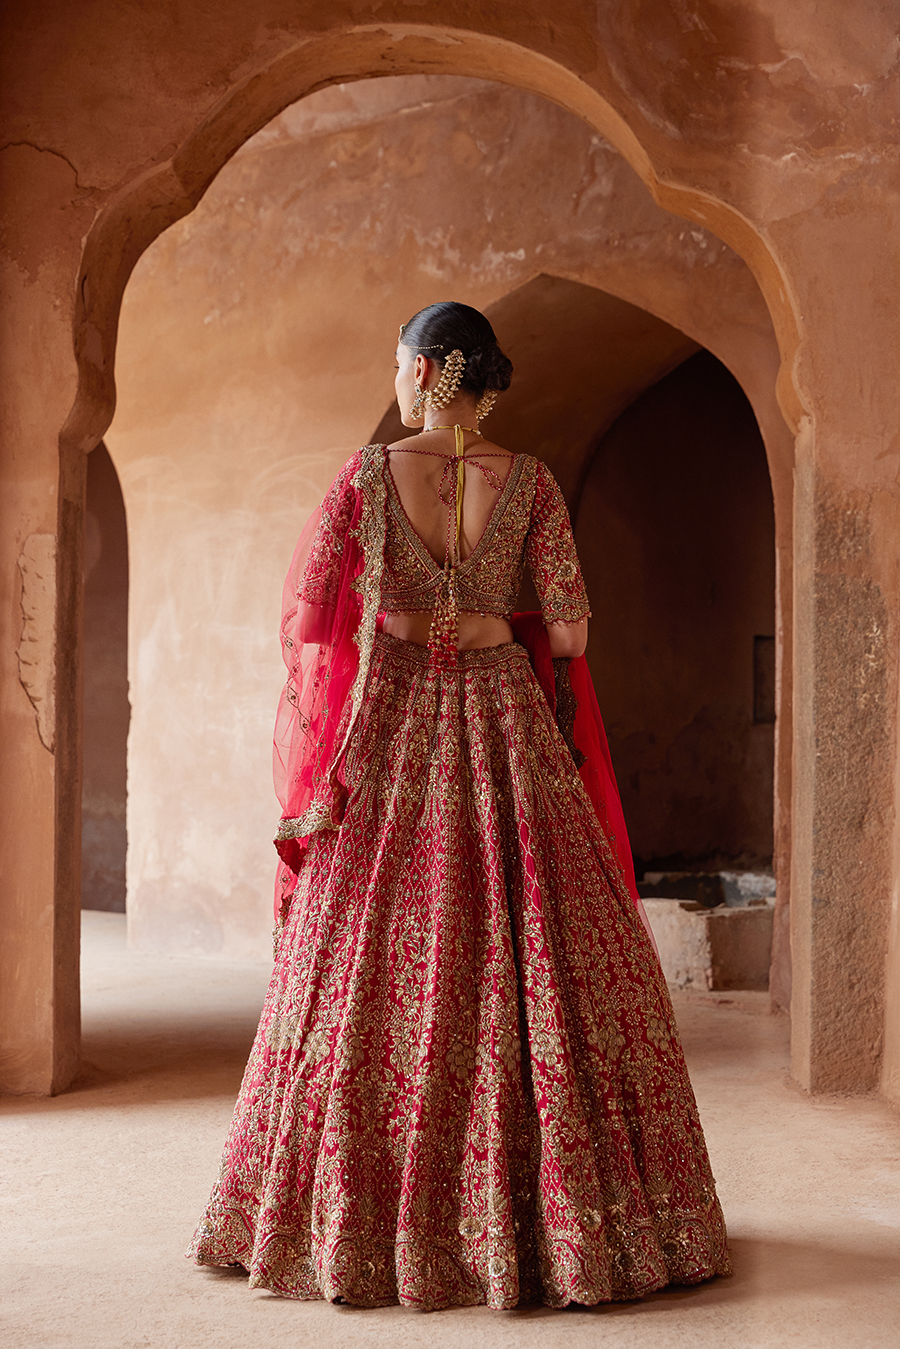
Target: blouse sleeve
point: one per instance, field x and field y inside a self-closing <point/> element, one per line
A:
<point x="550" y="554"/>
<point x="323" y="565"/>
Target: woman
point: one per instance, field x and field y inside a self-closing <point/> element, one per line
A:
<point x="467" y="1086"/>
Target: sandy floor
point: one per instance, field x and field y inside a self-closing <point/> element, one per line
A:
<point x="101" y="1189"/>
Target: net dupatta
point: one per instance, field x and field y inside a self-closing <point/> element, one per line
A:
<point x="328" y="624"/>
<point x="569" y="690"/>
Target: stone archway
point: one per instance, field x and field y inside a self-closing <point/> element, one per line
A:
<point x="773" y="130"/>
<point x="226" y="376"/>
<point x="128" y="225"/>
<point x="195" y="165"/>
<point x="140" y="211"/>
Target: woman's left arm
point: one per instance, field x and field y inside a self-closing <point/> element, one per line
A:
<point x="568" y="639"/>
<point x="311" y="589"/>
<point x="553" y="562"/>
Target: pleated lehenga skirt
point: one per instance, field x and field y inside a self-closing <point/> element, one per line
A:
<point x="467" y="1085"/>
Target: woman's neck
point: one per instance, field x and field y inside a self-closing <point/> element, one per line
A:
<point x="457" y="414"/>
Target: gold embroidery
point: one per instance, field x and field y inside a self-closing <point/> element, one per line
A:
<point x="320" y="576"/>
<point x="566" y="708"/>
<point x="317" y="817"/>
<point x="528" y="525"/>
<point x="370" y="532"/>
<point x="467" y="1085"/>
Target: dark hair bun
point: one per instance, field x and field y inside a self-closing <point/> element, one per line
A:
<point x="487" y="368"/>
<point x="450" y="326"/>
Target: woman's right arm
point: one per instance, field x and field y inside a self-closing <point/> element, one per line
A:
<point x="314" y="592"/>
<point x="313" y="623"/>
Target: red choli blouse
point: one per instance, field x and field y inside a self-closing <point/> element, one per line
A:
<point x="529" y="527"/>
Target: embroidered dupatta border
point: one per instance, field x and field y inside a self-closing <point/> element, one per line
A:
<point x="370" y="533"/>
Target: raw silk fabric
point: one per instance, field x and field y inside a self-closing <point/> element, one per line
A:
<point x="467" y="1085"/>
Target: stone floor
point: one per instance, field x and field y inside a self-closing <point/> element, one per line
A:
<point x="102" y="1186"/>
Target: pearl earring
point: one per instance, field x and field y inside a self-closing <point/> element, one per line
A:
<point x="419" y="404"/>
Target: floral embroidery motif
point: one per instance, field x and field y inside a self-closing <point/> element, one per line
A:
<point x="467" y="1086"/>
<point x="551" y="557"/>
<point x="529" y="526"/>
<point x="321" y="574"/>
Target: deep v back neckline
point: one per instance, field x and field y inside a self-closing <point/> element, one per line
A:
<point x="487" y="533"/>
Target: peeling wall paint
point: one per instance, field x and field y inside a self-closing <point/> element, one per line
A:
<point x="36" y="652"/>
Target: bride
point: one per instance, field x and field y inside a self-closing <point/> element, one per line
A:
<point x="467" y="1084"/>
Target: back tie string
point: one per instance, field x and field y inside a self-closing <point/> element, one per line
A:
<point x="460" y="485"/>
<point x="444" y="634"/>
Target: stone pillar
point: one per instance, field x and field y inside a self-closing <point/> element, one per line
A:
<point x="847" y="607"/>
<point x="40" y="582"/>
<point x="105" y="701"/>
<point x="842" y="798"/>
<point x="890" y="1076"/>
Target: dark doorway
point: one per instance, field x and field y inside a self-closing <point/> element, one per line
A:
<point x="676" y="531"/>
<point x="106" y="706"/>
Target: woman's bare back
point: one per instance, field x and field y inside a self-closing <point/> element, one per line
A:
<point x="417" y="478"/>
<point x="417" y="481"/>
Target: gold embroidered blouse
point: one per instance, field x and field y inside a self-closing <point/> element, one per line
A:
<point x="529" y="526"/>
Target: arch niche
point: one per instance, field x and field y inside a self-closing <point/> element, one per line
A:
<point x="660" y="459"/>
<point x="148" y="206"/>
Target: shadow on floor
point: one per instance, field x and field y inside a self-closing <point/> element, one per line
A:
<point x="809" y="1269"/>
<point x="183" y="1063"/>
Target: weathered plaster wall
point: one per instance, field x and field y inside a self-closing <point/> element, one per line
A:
<point x="890" y="1081"/>
<point x="773" y="125"/>
<point x="248" y="371"/>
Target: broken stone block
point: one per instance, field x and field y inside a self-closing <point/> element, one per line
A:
<point x="697" y="887"/>
<point x="710" y="949"/>
<point x="709" y="888"/>
<point x="746" y="887"/>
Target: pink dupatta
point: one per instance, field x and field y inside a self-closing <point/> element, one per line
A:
<point x="328" y="623"/>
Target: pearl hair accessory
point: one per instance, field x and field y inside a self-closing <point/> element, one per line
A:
<point x="440" y="396"/>
<point x="435" y="346"/>
<point x="485" y="403"/>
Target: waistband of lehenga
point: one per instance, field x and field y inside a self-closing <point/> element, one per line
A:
<point x="478" y="658"/>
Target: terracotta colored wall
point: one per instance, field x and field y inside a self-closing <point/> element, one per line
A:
<point x="106" y="707"/>
<point x="676" y="532"/>
<point x="770" y="126"/>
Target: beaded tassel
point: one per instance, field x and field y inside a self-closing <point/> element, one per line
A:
<point x="444" y="634"/>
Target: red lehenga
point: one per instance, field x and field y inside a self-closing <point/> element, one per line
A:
<point x="467" y="1085"/>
